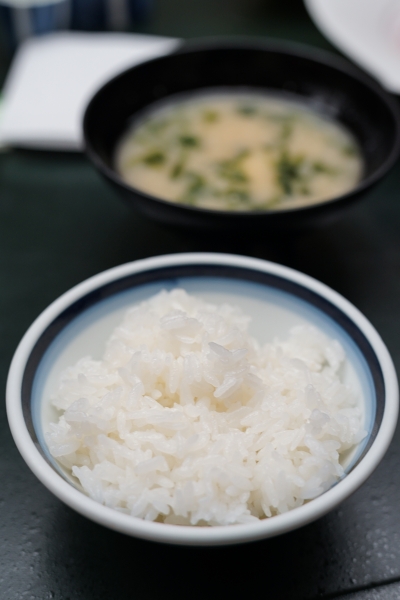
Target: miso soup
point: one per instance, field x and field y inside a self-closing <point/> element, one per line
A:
<point x="239" y="152"/>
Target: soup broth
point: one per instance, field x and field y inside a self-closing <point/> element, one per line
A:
<point x="239" y="152"/>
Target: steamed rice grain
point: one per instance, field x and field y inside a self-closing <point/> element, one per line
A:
<point x="187" y="419"/>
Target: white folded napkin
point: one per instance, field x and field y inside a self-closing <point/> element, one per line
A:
<point x="53" y="77"/>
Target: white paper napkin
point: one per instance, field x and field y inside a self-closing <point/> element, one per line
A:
<point x="53" y="77"/>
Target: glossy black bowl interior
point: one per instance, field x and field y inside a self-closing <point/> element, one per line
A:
<point x="329" y="84"/>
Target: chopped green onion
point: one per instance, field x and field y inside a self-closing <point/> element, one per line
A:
<point x="289" y="171"/>
<point x="319" y="167"/>
<point x="210" y="116"/>
<point x="247" y="110"/>
<point x="154" y="159"/>
<point x="189" y="141"/>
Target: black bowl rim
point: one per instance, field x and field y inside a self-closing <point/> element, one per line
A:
<point x="289" y="48"/>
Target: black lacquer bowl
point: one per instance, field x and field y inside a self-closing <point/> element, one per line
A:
<point x="332" y="85"/>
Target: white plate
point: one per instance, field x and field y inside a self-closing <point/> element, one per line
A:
<point x="368" y="31"/>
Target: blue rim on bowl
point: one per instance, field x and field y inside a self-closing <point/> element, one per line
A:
<point x="68" y="328"/>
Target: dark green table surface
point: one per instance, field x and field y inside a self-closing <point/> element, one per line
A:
<point x="59" y="224"/>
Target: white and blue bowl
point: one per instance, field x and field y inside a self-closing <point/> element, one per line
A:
<point x="22" y="19"/>
<point x="80" y="321"/>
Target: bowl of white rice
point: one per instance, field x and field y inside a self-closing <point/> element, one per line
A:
<point x="202" y="399"/>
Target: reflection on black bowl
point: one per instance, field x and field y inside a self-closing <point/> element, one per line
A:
<point x="332" y="85"/>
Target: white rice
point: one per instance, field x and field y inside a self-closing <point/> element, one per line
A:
<point x="188" y="420"/>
